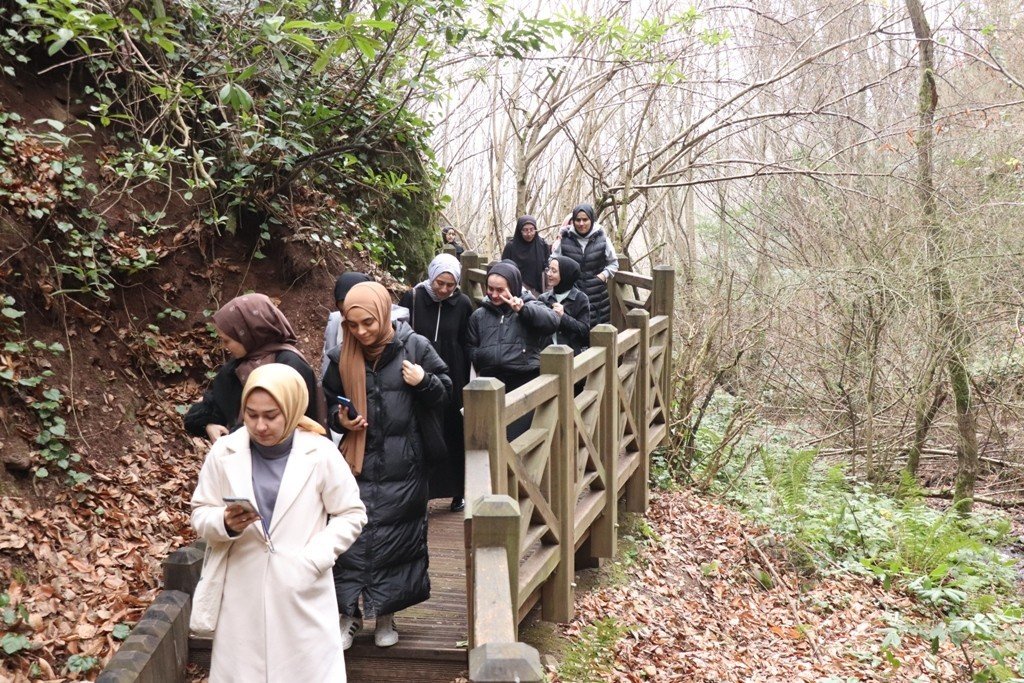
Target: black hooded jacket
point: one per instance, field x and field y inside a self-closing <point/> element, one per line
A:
<point x="502" y="342"/>
<point x="388" y="562"/>
<point x="221" y="403"/>
<point x="574" y="323"/>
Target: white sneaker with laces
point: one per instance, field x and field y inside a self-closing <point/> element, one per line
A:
<point x="349" y="628"/>
<point x="385" y="634"/>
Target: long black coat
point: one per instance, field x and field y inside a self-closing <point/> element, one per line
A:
<point x="222" y="401"/>
<point x="445" y="324"/>
<point x="574" y="325"/>
<point x="387" y="565"/>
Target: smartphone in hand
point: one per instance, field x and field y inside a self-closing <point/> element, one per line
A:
<point x="349" y="407"/>
<point x="244" y="502"/>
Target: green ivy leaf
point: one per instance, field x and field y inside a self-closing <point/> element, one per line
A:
<point x="12" y="313"/>
<point x="121" y="631"/>
<point x="12" y="643"/>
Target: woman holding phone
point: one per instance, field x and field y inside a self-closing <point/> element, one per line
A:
<point x="276" y="506"/>
<point x="391" y="376"/>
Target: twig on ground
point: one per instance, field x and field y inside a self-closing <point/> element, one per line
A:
<point x="788" y="592"/>
<point x="947" y="494"/>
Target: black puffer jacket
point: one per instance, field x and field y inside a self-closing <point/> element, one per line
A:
<point x="574" y="324"/>
<point x="222" y="402"/>
<point x="502" y="341"/>
<point x="387" y="565"/>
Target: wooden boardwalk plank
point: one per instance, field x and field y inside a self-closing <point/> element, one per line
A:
<point x="433" y="635"/>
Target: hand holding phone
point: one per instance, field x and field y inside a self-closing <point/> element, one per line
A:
<point x="349" y="417"/>
<point x="239" y="513"/>
<point x="348" y="407"/>
<point x="244" y="503"/>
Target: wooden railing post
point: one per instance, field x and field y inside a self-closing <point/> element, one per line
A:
<point x="603" y="534"/>
<point x="484" y="401"/>
<point x="470" y="259"/>
<point x="663" y="303"/>
<point x="183" y="567"/>
<point x="495" y="655"/>
<point x="637" y="495"/>
<point x="557" y="596"/>
<point x="618" y="310"/>
<point x="496" y="525"/>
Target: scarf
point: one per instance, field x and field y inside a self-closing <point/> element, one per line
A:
<point x="256" y="323"/>
<point x="286" y="386"/>
<point x="589" y="210"/>
<point x="347" y="281"/>
<point x="531" y="257"/>
<point x="510" y="271"/>
<point x="568" y="272"/>
<point x="371" y="298"/>
<point x="442" y="263"/>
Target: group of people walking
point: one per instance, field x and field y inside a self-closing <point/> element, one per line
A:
<point x="276" y="502"/>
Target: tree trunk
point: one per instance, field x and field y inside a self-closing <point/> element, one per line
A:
<point x="953" y="332"/>
<point x="923" y="420"/>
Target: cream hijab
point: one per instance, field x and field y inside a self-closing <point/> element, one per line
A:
<point x="286" y="386"/>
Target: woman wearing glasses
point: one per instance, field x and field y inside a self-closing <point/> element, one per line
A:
<point x="529" y="252"/>
<point x="262" y="504"/>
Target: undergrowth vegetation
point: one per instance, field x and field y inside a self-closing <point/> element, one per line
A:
<point x="293" y="125"/>
<point x="957" y="567"/>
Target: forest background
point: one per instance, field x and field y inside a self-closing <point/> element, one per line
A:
<point x="837" y="184"/>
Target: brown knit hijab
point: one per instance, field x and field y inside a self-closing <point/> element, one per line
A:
<point x="256" y="323"/>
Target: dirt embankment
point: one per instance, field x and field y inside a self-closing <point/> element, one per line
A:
<point x="78" y="564"/>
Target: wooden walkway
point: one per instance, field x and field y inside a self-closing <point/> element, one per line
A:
<point x="536" y="506"/>
<point x="433" y="635"/>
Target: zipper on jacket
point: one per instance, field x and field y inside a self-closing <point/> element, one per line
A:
<point x="438" y="327"/>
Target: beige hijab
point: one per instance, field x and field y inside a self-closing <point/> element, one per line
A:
<point x="286" y="386"/>
<point x="372" y="298"/>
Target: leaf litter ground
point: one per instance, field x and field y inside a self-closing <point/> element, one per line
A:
<point x="713" y="598"/>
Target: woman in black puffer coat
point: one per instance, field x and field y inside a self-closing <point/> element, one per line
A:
<point x="507" y="333"/>
<point x="395" y="380"/>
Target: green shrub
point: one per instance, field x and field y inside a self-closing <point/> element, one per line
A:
<point x="591" y="655"/>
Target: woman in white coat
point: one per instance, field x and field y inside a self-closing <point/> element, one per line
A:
<point x="267" y="594"/>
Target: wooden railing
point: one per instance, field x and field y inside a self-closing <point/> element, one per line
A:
<point x="535" y="504"/>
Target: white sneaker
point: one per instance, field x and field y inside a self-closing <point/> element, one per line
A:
<point x="349" y="628"/>
<point x="385" y="634"/>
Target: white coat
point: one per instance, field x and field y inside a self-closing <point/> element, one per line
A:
<point x="274" y="616"/>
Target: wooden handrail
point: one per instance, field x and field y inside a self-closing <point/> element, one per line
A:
<point x="533" y="505"/>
